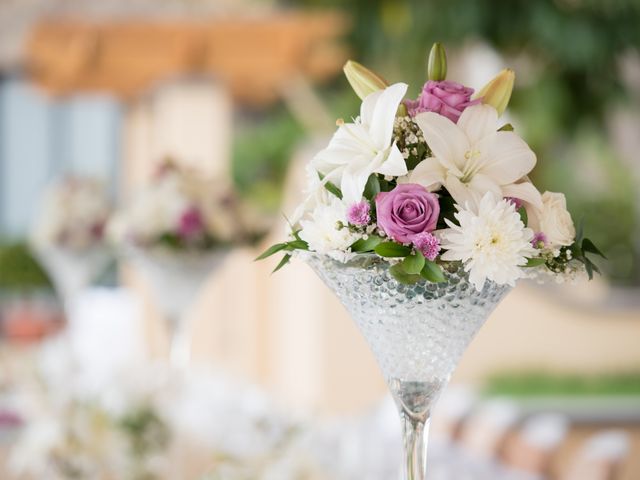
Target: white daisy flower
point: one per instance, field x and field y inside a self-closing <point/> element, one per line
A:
<point x="325" y="230"/>
<point x="491" y="241"/>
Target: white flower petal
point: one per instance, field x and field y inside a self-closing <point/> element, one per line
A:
<point x="429" y="173"/>
<point x="380" y="121"/>
<point x="508" y="157"/>
<point x="394" y="164"/>
<point x="353" y="183"/>
<point x="478" y="121"/>
<point x="491" y="242"/>
<point x="524" y="191"/>
<point x="447" y="141"/>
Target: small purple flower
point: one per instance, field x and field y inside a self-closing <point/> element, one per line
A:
<point x="407" y="210"/>
<point x="444" y="97"/>
<point x="359" y="213"/>
<point x="518" y="203"/>
<point x="539" y="240"/>
<point x="428" y="244"/>
<point x="191" y="223"/>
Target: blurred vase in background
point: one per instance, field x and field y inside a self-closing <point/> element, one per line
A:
<point x="68" y="234"/>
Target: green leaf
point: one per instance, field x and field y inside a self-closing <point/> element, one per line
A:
<point x="580" y="231"/>
<point x="413" y="264"/>
<point x="588" y="246"/>
<point x="273" y="249"/>
<point x="366" y="245"/>
<point x="523" y="216"/>
<point x="507" y="127"/>
<point x="282" y="263"/>
<point x="331" y="187"/>
<point x="535" y="262"/>
<point x="432" y="272"/>
<point x="397" y="272"/>
<point x="589" y="267"/>
<point x="297" y="245"/>
<point x="392" y="249"/>
<point x="372" y="188"/>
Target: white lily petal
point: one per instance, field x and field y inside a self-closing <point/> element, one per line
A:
<point x="380" y="125"/>
<point x="368" y="107"/>
<point x="447" y="141"/>
<point x="508" y="157"/>
<point x="478" y="121"/>
<point x="394" y="164"/>
<point x="470" y="194"/>
<point x="353" y="184"/>
<point x="458" y="191"/>
<point x="524" y="191"/>
<point x="429" y="173"/>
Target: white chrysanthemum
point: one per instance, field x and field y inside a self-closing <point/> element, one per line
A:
<point x="492" y="243"/>
<point x="325" y="230"/>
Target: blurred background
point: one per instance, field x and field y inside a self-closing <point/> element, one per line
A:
<point x="244" y="92"/>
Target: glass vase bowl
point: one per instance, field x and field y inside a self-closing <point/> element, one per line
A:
<point x="417" y="333"/>
<point x="175" y="279"/>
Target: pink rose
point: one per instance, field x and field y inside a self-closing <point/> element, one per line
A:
<point x="407" y="210"/>
<point x="445" y="97"/>
<point x="191" y="223"/>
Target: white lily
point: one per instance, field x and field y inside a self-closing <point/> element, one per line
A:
<point x="472" y="157"/>
<point x="365" y="146"/>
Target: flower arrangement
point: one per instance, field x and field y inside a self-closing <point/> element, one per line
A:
<point x="439" y="179"/>
<point x="73" y="216"/>
<point x="182" y="211"/>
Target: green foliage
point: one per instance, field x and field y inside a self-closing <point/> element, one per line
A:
<point x="543" y="384"/>
<point x="392" y="249"/>
<point x="290" y="246"/>
<point x="19" y="271"/>
<point x="261" y="153"/>
<point x="414" y="263"/>
<point x="366" y="245"/>
<point x="432" y="272"/>
<point x="145" y="430"/>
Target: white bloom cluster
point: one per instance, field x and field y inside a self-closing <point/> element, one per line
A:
<point x="326" y="230"/>
<point x="491" y="242"/>
<point x="73" y="215"/>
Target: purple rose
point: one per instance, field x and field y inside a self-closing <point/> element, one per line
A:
<point x="446" y="98"/>
<point x="407" y="210"/>
<point x="191" y="223"/>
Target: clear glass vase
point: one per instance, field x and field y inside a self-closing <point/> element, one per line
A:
<point x="72" y="271"/>
<point x="175" y="280"/>
<point x="416" y="332"/>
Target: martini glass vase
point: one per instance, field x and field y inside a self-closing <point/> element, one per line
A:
<point x="71" y="271"/>
<point x="416" y="332"/>
<point x="175" y="280"/>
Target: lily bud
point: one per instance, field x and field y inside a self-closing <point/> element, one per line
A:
<point x="437" y="64"/>
<point x="362" y="80"/>
<point x="497" y="92"/>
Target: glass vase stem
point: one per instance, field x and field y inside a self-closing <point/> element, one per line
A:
<point x="416" y="436"/>
<point x="179" y="342"/>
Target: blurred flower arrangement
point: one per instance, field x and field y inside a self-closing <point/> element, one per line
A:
<point x="79" y="439"/>
<point x="73" y="215"/>
<point x="421" y="183"/>
<point x="69" y="233"/>
<point x="181" y="211"/>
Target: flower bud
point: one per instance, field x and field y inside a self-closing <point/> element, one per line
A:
<point x="497" y="92"/>
<point x="362" y="80"/>
<point x="437" y="64"/>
